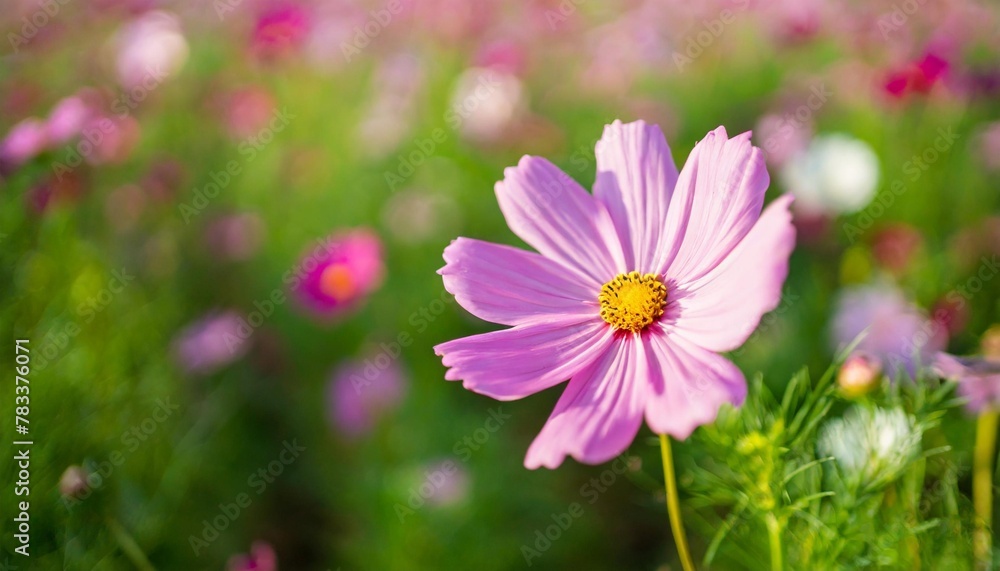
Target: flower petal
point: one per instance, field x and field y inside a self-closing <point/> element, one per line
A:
<point x="506" y="285"/>
<point x="721" y="310"/>
<point x="513" y="363"/>
<point x="688" y="384"/>
<point x="599" y="414"/>
<point x="718" y="198"/>
<point x="635" y="179"/>
<point x="556" y="216"/>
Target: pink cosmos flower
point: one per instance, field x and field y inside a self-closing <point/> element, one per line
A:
<point x="337" y="277"/>
<point x="634" y="292"/>
<point x="978" y="379"/>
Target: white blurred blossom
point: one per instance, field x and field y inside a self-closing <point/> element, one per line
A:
<point x="835" y="174"/>
<point x="871" y="445"/>
<point x="149" y="48"/>
<point x="485" y="102"/>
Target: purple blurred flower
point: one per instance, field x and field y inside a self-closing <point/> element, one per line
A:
<point x="235" y="237"/>
<point x="989" y="145"/>
<point x="211" y="343"/>
<point x="447" y="481"/>
<point x="260" y="558"/>
<point x="978" y="379"/>
<point x="66" y="120"/>
<point x="24" y="142"/>
<point x="362" y="392"/>
<point x="246" y="111"/>
<point x="898" y="333"/>
<point x="339" y="276"/>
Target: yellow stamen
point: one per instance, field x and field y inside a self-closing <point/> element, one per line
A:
<point x="632" y="301"/>
<point x="336" y="282"/>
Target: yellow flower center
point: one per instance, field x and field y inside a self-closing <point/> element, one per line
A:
<point x="632" y="301"/>
<point x="336" y="281"/>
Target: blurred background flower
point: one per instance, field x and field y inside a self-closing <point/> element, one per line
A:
<point x="281" y="176"/>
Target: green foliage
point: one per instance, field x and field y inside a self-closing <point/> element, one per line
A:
<point x="760" y="478"/>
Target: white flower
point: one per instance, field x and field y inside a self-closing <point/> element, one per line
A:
<point x="485" y="102"/>
<point x="835" y="174"/>
<point x="871" y="445"/>
<point x="149" y="49"/>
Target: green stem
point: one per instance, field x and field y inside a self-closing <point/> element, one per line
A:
<point x="982" y="486"/>
<point x="774" y="534"/>
<point x="674" y="504"/>
<point x="129" y="546"/>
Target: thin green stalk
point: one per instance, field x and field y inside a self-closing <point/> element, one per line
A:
<point x="774" y="535"/>
<point x="982" y="486"/>
<point x="129" y="546"/>
<point x="674" y="504"/>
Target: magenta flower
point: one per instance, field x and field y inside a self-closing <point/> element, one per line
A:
<point x="339" y="276"/>
<point x="978" y="379"/>
<point x="634" y="292"/>
<point x="280" y="30"/>
<point x="917" y="77"/>
<point x="261" y="558"/>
